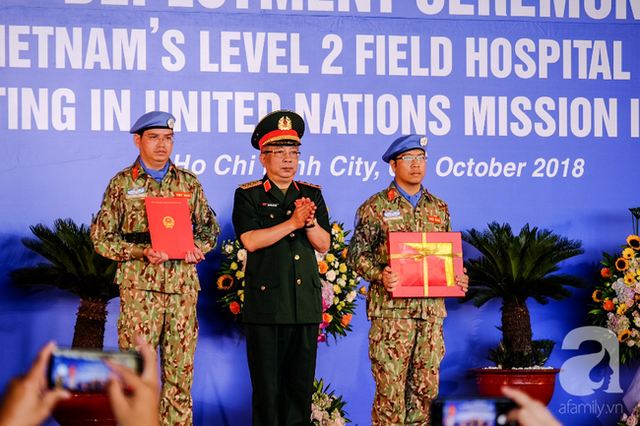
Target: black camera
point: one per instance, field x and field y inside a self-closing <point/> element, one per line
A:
<point x="471" y="411"/>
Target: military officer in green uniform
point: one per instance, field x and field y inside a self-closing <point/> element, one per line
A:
<point x="406" y="343"/>
<point x="281" y="222"/>
<point x="158" y="295"/>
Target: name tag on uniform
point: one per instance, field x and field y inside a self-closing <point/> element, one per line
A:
<point x="272" y="205"/>
<point x="434" y="219"/>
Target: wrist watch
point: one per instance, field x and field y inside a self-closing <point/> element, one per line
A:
<point x="315" y="222"/>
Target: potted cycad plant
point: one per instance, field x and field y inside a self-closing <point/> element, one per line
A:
<point x="74" y="266"/>
<point x="515" y="268"/>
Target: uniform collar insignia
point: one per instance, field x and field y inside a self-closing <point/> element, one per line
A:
<point x="135" y="172"/>
<point x="391" y="194"/>
<point x="267" y="186"/>
<point x="296" y="185"/>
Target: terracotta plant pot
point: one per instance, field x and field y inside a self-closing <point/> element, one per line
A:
<point x="85" y="409"/>
<point x="539" y="384"/>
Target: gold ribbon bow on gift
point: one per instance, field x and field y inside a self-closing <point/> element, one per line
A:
<point x="425" y="249"/>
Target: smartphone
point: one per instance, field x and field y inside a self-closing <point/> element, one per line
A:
<point x="455" y="411"/>
<point x="85" y="370"/>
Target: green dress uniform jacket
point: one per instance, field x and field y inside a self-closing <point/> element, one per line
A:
<point x="282" y="282"/>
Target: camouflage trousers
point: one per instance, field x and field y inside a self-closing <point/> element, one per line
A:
<point x="167" y="322"/>
<point x="405" y="361"/>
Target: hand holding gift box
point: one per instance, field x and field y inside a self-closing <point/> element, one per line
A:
<point x="426" y="263"/>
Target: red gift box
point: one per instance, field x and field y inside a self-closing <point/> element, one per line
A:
<point x="426" y="263"/>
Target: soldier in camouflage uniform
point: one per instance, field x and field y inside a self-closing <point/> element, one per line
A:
<point x="158" y="296"/>
<point x="405" y="340"/>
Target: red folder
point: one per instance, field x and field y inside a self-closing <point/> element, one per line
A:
<point x="170" y="226"/>
<point x="426" y="263"/>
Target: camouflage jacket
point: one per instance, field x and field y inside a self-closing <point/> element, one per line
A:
<point x="367" y="255"/>
<point x="123" y="211"/>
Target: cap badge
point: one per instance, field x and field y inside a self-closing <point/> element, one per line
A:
<point x="171" y="122"/>
<point x="423" y="141"/>
<point x="284" y="123"/>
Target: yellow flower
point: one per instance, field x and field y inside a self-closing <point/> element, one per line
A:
<point x="330" y="257"/>
<point x="624" y="336"/>
<point x="342" y="268"/>
<point x="629" y="278"/>
<point x="622" y="309"/>
<point x="337" y="289"/>
<point x="596" y="296"/>
<point x="336" y="300"/>
<point x="336" y="226"/>
<point x="634" y="242"/>
<point x="628" y="253"/>
<point x="225" y="282"/>
<point x="239" y="275"/>
<point x="233" y="266"/>
<point x="622" y="264"/>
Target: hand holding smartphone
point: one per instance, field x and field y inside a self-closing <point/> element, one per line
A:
<point x="454" y="411"/>
<point x="85" y="370"/>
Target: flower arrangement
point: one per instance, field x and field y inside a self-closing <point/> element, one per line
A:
<point x="326" y="408"/>
<point x="631" y="419"/>
<point x="231" y="279"/>
<point x="339" y="284"/>
<point x="616" y="297"/>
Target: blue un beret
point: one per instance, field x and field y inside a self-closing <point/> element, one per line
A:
<point x="405" y="143"/>
<point x="154" y="119"/>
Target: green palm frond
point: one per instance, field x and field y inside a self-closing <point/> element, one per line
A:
<point x="517" y="267"/>
<point x="73" y="264"/>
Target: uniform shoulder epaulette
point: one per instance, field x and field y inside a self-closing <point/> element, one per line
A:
<point x="252" y="184"/>
<point x="187" y="171"/>
<point x="309" y="184"/>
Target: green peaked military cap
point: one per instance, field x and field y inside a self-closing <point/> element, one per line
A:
<point x="282" y="127"/>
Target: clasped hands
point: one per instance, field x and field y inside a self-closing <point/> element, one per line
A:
<point x="390" y="280"/>
<point x="157" y="257"/>
<point x="305" y="212"/>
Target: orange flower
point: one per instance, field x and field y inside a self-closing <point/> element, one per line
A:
<point x="225" y="282"/>
<point x="346" y="319"/>
<point x="327" y="318"/>
<point x="363" y="290"/>
<point x="596" y="296"/>
<point x="622" y="264"/>
<point x="608" y="305"/>
<point x="234" y="307"/>
<point x="344" y="253"/>
<point x="605" y="272"/>
<point x="323" y="267"/>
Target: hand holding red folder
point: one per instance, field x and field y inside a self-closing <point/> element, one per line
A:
<point x="171" y="230"/>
